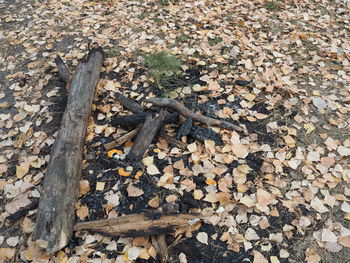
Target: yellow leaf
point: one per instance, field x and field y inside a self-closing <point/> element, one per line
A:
<point x="309" y="127"/>
<point x="210" y="181"/>
<point x="22" y="170"/>
<point x="347" y="216"/>
<point x="62" y="257"/>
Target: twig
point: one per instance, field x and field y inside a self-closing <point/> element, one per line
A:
<point x="177" y="143"/>
<point x="126" y="137"/>
<point x="175" y="105"/>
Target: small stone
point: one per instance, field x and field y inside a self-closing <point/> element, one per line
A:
<point x="319" y="103"/>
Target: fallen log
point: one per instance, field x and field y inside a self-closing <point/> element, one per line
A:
<point x="56" y="212"/>
<point x="175" y="105"/>
<point x="136" y="225"/>
<point x="145" y="136"/>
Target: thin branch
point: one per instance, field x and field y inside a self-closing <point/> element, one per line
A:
<point x="175" y="105"/>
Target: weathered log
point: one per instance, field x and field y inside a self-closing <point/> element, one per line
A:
<point x="145" y="136"/>
<point x="175" y="105"/>
<point x="56" y="212"/>
<point x="129" y="103"/>
<point x="138" y="224"/>
<point x="126" y="137"/>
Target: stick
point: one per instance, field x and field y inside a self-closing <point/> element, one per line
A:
<point x="138" y="224"/>
<point x="56" y="212"/>
<point x="126" y="137"/>
<point x="173" y="104"/>
<point x="135" y="119"/>
<point x="23" y="211"/>
<point x="145" y="136"/>
<point x="177" y="143"/>
<point x="128" y="103"/>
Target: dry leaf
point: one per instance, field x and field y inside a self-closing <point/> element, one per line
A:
<point x="22" y="169"/>
<point x="259" y="258"/>
<point x="328" y="236"/>
<point x="202" y="237"/>
<point x="12" y="241"/>
<point x="154" y="202"/>
<point x="152" y="170"/>
<point x="344" y="241"/>
<point x="264" y="197"/>
<point x="318" y="205"/>
<point x="133" y="191"/>
<point x="82" y="212"/>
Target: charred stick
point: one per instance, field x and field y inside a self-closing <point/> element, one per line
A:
<point x="129" y="103"/>
<point x="175" y="105"/>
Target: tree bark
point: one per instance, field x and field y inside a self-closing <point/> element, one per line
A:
<point x="56" y="212"/>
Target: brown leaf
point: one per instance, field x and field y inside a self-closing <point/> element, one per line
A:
<point x="259" y="258"/>
<point x="133" y="191"/>
<point x="264" y="197"/>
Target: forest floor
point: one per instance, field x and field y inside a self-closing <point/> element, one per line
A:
<point x="277" y="192"/>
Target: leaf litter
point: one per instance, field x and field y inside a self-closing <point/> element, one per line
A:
<point x="279" y="69"/>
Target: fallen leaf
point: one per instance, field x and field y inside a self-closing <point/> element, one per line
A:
<point x="12" y="241"/>
<point x="82" y="212"/>
<point x="318" y="205"/>
<point x="202" y="237"/>
<point x="152" y="170"/>
<point x="344" y="241"/>
<point x="154" y="202"/>
<point x="22" y="169"/>
<point x="133" y="191"/>
<point x="251" y="235"/>
<point x="259" y="258"/>
<point x="343" y="151"/>
<point x="328" y="236"/>
<point x="264" y="197"/>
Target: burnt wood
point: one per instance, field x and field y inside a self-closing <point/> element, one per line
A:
<point x="146" y="135"/>
<point x="129" y="103"/>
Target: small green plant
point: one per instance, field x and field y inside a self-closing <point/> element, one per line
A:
<point x="166" y="2"/>
<point x="215" y="41"/>
<point x="163" y="67"/>
<point x="181" y="38"/>
<point x="272" y="6"/>
<point x="142" y="16"/>
<point x="157" y="20"/>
